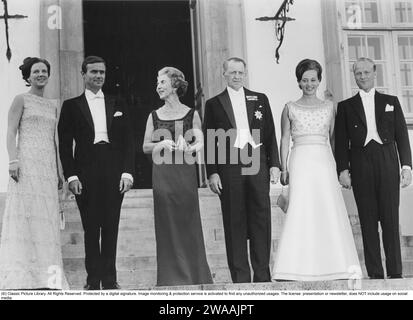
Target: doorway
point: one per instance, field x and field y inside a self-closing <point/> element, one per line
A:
<point x="138" y="38"/>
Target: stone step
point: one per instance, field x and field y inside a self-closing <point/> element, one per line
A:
<point x="268" y="288"/>
<point x="136" y="263"/>
<point x="138" y="279"/>
<point x="146" y="279"/>
<point x="136" y="259"/>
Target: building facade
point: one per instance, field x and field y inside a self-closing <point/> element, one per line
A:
<point x="139" y="37"/>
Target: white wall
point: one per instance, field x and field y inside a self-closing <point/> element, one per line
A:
<point x="24" y="41"/>
<point x="303" y="39"/>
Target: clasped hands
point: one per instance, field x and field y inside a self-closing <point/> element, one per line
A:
<point x="405" y="178"/>
<point x="180" y="145"/>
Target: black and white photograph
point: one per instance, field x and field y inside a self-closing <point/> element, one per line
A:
<point x="179" y="150"/>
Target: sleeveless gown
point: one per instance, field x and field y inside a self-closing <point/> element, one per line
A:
<point x="180" y="249"/>
<point x="317" y="241"/>
<point x="30" y="249"/>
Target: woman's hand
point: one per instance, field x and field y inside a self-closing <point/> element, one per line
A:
<point x="168" y="145"/>
<point x="284" y="178"/>
<point x="14" y="171"/>
<point x="181" y="144"/>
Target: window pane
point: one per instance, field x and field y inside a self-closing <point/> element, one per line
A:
<point x="407" y="101"/>
<point x="371" y="12"/>
<point x="353" y="11"/>
<point x="404" y="48"/>
<point x="403" y="11"/>
<point x="406" y="74"/>
<point x="362" y="11"/>
<point x="375" y="48"/>
<point x="380" y="80"/>
<point x="355" y="45"/>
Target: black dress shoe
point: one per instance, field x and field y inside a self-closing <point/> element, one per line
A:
<point x="376" y="277"/>
<point x="111" y="286"/>
<point x="395" y="276"/>
<point x="89" y="287"/>
<point x="283" y="280"/>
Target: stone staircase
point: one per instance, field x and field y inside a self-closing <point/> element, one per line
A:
<point x="136" y="258"/>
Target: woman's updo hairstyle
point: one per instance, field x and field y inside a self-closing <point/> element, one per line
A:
<point x="177" y="79"/>
<point x="306" y="65"/>
<point x="26" y="67"/>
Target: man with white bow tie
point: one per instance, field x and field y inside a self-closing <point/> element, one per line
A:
<point x="245" y="201"/>
<point x="371" y="139"/>
<point x="100" y="171"/>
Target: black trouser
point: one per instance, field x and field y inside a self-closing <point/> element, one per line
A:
<point x="99" y="206"/>
<point x="246" y="211"/>
<point x="375" y="177"/>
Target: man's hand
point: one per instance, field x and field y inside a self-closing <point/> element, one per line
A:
<point x="345" y="179"/>
<point x="59" y="183"/>
<point x="76" y="187"/>
<point x="215" y="183"/>
<point x="406" y="178"/>
<point x="125" y="185"/>
<point x="274" y="174"/>
<point x="285" y="178"/>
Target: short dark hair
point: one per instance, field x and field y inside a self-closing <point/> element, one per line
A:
<point x="90" y="60"/>
<point x="306" y="65"/>
<point x="235" y="59"/>
<point x="177" y="79"/>
<point x="26" y="67"/>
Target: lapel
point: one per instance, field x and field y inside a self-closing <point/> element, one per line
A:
<point x="110" y="107"/>
<point x="250" y="105"/>
<point x="379" y="106"/>
<point x="226" y="104"/>
<point x="84" y="108"/>
<point x="358" y="107"/>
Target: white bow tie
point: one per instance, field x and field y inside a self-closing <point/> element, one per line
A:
<point x="364" y="94"/>
<point x="92" y="96"/>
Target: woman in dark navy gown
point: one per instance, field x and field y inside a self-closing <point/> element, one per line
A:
<point x="173" y="136"/>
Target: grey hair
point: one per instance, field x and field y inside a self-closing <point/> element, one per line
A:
<point x="364" y="59"/>
<point x="235" y="59"/>
<point x="177" y="79"/>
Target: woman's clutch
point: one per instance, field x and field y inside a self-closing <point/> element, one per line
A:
<point x="282" y="200"/>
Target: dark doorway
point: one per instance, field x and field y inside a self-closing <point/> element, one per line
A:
<point x="138" y="38"/>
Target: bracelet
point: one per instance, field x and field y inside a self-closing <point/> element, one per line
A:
<point x="13" y="161"/>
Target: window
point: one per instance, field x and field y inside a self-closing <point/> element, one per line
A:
<point x="404" y="52"/>
<point x="383" y="31"/>
<point x="402" y="11"/>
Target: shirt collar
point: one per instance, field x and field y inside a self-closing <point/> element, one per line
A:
<point x="233" y="92"/>
<point x="90" y="95"/>
<point x="370" y="94"/>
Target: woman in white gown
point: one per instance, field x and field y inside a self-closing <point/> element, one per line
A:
<point x="317" y="241"/>
<point x="30" y="250"/>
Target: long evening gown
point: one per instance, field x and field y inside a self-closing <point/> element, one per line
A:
<point x="30" y="250"/>
<point x="317" y="241"/>
<point x="181" y="256"/>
